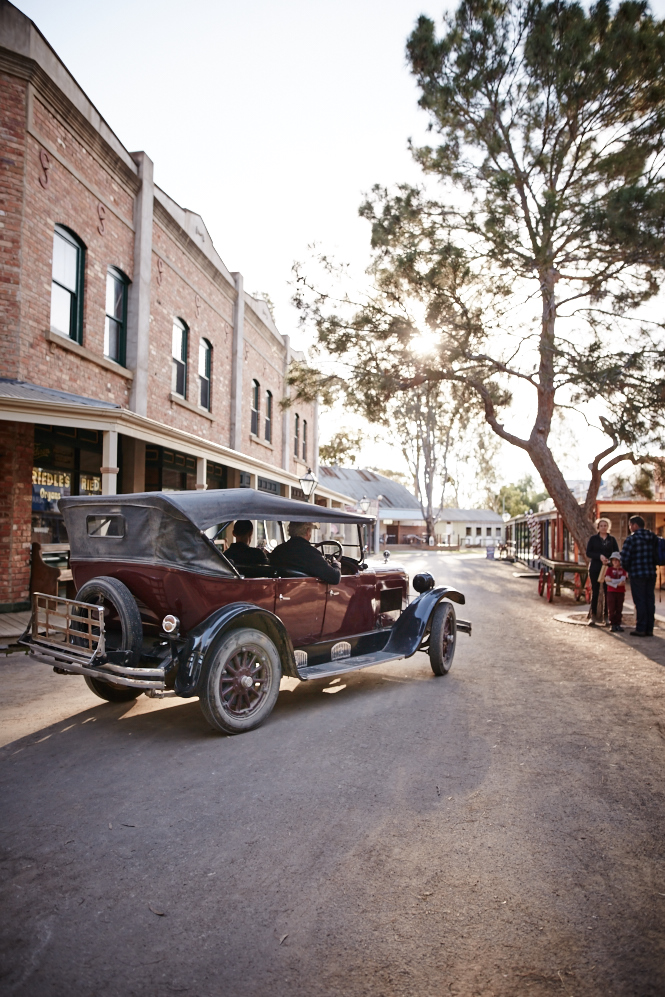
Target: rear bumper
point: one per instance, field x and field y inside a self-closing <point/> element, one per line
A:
<point x="69" y="635"/>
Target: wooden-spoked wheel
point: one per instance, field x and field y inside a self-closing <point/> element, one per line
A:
<point x="541" y="581"/>
<point x="578" y="588"/>
<point x="550" y="586"/>
<point x="242" y="681"/>
<point x="587" y="591"/>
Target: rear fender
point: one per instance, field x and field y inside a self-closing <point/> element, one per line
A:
<point x="410" y="628"/>
<point x="202" y="640"/>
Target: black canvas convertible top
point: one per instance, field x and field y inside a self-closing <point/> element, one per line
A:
<point x="167" y="527"/>
<point x="208" y="508"/>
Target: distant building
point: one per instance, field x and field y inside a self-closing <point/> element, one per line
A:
<point x="399" y="516"/>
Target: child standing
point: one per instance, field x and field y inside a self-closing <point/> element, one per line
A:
<point x="615" y="579"/>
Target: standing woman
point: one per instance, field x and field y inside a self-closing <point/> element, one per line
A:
<point x="598" y="550"/>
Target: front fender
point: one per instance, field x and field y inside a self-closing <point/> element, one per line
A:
<point x="201" y="641"/>
<point x="409" y="630"/>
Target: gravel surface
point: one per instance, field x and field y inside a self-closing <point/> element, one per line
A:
<point x="496" y="832"/>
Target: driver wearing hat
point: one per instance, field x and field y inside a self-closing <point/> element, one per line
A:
<point x="297" y="554"/>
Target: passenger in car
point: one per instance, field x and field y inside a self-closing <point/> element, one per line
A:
<point x="297" y="554"/>
<point x="240" y="551"/>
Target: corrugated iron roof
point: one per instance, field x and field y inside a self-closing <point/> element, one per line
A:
<point x="358" y="482"/>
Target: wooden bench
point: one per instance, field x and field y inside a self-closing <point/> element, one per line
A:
<point x="50" y="572"/>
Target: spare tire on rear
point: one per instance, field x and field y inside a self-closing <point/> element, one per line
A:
<point x="122" y="627"/>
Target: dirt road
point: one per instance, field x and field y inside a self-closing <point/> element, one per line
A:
<point x="496" y="832"/>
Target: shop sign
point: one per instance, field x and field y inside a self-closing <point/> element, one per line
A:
<point x="48" y="487"/>
<point x="90" y="484"/>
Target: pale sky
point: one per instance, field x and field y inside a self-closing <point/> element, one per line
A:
<point x="270" y="119"/>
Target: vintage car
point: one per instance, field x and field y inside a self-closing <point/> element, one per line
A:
<point x="160" y="609"/>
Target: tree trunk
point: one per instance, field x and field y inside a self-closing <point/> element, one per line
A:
<point x="579" y="526"/>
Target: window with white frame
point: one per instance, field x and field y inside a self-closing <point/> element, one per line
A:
<point x="179" y="354"/>
<point x="205" y="363"/>
<point x="256" y="402"/>
<point x="268" y="425"/>
<point x="116" y="315"/>
<point x="67" y="284"/>
<point x="304" y="440"/>
<point x="296" y="436"/>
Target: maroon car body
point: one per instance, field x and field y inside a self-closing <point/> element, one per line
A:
<point x="180" y="617"/>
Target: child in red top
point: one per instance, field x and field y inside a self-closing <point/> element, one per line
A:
<point x="615" y="579"/>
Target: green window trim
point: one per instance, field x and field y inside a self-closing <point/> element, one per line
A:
<point x="64" y="286"/>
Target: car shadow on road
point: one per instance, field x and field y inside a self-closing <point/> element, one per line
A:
<point x="181" y="720"/>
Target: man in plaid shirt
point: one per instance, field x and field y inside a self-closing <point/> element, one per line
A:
<point x="639" y="558"/>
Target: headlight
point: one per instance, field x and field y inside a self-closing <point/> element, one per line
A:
<point x="170" y="624"/>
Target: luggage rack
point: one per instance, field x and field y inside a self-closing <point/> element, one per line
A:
<point x="70" y="635"/>
<point x="65" y="629"/>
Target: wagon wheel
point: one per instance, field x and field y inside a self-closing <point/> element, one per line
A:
<point x="578" y="588"/>
<point x="541" y="581"/>
<point x="550" y="586"/>
<point x="587" y="590"/>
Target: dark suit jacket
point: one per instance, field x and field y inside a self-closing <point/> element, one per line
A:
<point x="244" y="554"/>
<point x="298" y="554"/>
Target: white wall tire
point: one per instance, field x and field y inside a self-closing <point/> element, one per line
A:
<point x="241" y="683"/>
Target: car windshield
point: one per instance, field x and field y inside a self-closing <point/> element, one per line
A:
<point x="268" y="534"/>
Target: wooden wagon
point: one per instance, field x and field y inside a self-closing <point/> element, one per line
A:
<point x="555" y="575"/>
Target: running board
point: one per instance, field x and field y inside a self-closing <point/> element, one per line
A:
<point x="343" y="665"/>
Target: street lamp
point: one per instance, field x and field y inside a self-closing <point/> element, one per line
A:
<point x="377" y="525"/>
<point x="308" y="485"/>
<point x="363" y="505"/>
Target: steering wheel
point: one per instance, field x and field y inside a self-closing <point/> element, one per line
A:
<point x="331" y="555"/>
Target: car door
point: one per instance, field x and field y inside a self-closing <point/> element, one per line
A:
<point x="300" y="604"/>
<point x="349" y="606"/>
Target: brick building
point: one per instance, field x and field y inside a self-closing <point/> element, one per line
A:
<point x="131" y="359"/>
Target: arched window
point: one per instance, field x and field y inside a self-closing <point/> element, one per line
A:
<point x="67" y="284"/>
<point x="179" y="353"/>
<point x="304" y="440"/>
<point x="256" y="401"/>
<point x="116" y="315"/>
<point x="296" y="437"/>
<point x="205" y="365"/>
<point x="268" y="428"/>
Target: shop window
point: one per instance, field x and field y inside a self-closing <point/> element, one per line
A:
<point x="268" y="425"/>
<point x="256" y="401"/>
<point x="67" y="284"/>
<point x="116" y="315"/>
<point x="205" y="364"/>
<point x="304" y="440"/>
<point x="266" y="485"/>
<point x="296" y="437"/>
<point x="179" y="353"/>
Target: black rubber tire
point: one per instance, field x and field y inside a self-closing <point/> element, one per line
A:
<point x="442" y="638"/>
<point x="113" y="593"/>
<point x="240" y="653"/>
<point x="111" y="692"/>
